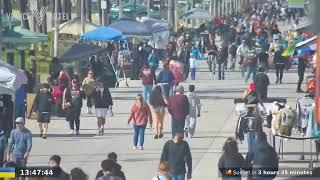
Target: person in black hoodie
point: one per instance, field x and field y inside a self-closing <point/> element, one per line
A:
<point x="54" y="162"/>
<point x="232" y="160"/>
<point x="72" y="102"/>
<point x="43" y="105"/>
<point x="116" y="171"/>
<point x="262" y="82"/>
<point x="264" y="158"/>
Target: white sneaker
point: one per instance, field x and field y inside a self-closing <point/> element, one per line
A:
<point x="141" y="148"/>
<point x="134" y="148"/>
<point x="71" y="131"/>
<point x="99" y="132"/>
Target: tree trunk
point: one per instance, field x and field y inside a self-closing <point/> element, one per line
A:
<point x="88" y="11"/>
<point x="23" y="4"/>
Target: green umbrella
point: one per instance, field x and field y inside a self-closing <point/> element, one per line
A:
<point x="23" y="36"/>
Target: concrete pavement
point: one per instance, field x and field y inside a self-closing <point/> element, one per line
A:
<point x="217" y="122"/>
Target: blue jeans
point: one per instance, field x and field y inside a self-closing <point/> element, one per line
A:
<point x="177" y="126"/>
<point x="251" y="70"/>
<point x="251" y="142"/>
<point x="166" y="89"/>
<point x="139" y="134"/>
<point x="193" y="73"/>
<point x="221" y="68"/>
<point x="178" y="177"/>
<point x="146" y="92"/>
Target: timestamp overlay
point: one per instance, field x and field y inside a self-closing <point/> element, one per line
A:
<point x="36" y="172"/>
<point x="265" y="172"/>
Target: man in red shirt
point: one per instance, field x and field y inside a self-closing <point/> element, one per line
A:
<point x="178" y="107"/>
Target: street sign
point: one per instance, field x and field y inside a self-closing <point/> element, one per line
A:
<point x="103" y="4"/>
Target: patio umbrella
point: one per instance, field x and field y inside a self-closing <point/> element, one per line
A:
<point x="74" y="27"/>
<point x="131" y="28"/>
<point x="23" y="36"/>
<point x="195" y="14"/>
<point x="155" y="25"/>
<point x="102" y="34"/>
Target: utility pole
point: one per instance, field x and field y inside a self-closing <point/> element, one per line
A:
<point x="170" y="13"/>
<point x="83" y="18"/>
<point x="0" y="28"/>
<point x="56" y="29"/>
<point x="104" y="8"/>
<point x="120" y="9"/>
<point x="148" y="5"/>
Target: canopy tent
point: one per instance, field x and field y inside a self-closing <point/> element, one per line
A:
<point x="155" y="25"/>
<point x="73" y="27"/>
<point x="196" y="13"/>
<point x="79" y="51"/>
<point x="11" y="77"/>
<point x="8" y="21"/>
<point x="131" y="28"/>
<point x="22" y="36"/>
<point x="102" y="34"/>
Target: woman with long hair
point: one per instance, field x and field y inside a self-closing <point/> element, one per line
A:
<point x="158" y="106"/>
<point x="232" y="160"/>
<point x="163" y="171"/>
<point x="72" y="103"/>
<point x="141" y="115"/>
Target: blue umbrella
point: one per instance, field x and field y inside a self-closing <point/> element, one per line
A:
<point x="102" y="34"/>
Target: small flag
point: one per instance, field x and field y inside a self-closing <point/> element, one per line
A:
<point x="7" y="173"/>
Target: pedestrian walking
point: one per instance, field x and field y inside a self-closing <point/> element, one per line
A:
<point x="232" y="160"/>
<point x="107" y="168"/>
<point x="43" y="104"/>
<point x="276" y="50"/>
<point x="60" y="174"/>
<point x="148" y="78"/>
<point x="265" y="158"/>
<point x="251" y="62"/>
<point x="163" y="172"/>
<point x="221" y="62"/>
<point x="88" y="85"/>
<point x="176" y="153"/>
<point x="141" y="115"/>
<point x="20" y="144"/>
<point x="212" y="50"/>
<point x="153" y="60"/>
<point x="178" y="107"/>
<point x="193" y="66"/>
<point x="72" y="103"/>
<point x="242" y="50"/>
<point x="302" y="64"/>
<point x="262" y="82"/>
<point x="78" y="174"/>
<point x="116" y="169"/>
<point x="158" y="105"/>
<point x="194" y="112"/>
<point x="166" y="78"/>
<point x="103" y="104"/>
<point x="233" y="55"/>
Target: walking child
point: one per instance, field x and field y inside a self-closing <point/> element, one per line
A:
<point x="195" y="108"/>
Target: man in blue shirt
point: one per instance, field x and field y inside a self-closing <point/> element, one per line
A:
<point x="20" y="144"/>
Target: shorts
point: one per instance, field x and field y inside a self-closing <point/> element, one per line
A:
<point x="101" y="112"/>
<point x="44" y="117"/>
<point x="158" y="109"/>
<point x="285" y="130"/>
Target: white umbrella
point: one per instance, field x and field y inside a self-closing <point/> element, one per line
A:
<point x="74" y="27"/>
